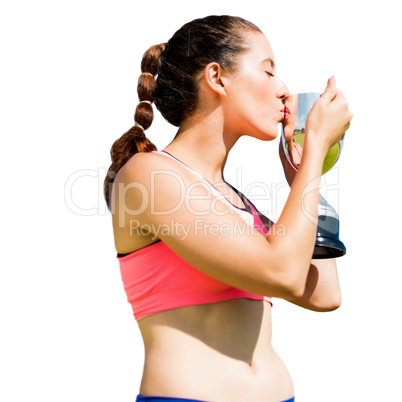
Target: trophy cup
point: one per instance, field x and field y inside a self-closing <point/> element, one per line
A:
<point x="327" y="243"/>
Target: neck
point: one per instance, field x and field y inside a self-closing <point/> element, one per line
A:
<point x="204" y="146"/>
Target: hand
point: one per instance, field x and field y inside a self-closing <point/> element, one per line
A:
<point x="329" y="118"/>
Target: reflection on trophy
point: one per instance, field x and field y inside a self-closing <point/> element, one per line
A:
<point x="327" y="243"/>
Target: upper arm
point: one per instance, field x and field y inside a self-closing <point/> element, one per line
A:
<point x="156" y="195"/>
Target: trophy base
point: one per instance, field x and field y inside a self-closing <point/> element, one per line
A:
<point x="327" y="243"/>
<point x="328" y="248"/>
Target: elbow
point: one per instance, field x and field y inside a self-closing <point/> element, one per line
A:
<point x="331" y="299"/>
<point x="327" y="307"/>
<point x="334" y="302"/>
<point x="328" y="303"/>
<point x="303" y="291"/>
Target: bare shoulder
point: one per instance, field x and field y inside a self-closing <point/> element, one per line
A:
<point x="146" y="167"/>
<point x="142" y="190"/>
<point x="153" y="184"/>
<point x="140" y="165"/>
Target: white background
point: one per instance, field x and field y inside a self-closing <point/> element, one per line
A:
<point x="68" y="75"/>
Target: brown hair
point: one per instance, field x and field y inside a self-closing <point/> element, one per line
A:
<point x="178" y="64"/>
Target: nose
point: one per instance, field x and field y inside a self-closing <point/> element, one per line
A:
<point x="283" y="91"/>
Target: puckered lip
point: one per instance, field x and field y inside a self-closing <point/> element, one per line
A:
<point x="286" y="112"/>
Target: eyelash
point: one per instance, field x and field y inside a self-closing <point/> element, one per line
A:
<point x="270" y="74"/>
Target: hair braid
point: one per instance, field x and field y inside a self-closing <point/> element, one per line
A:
<point x="134" y="140"/>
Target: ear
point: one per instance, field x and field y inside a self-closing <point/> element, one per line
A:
<point x="213" y="75"/>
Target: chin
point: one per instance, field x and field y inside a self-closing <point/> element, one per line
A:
<point x="268" y="135"/>
<point x="267" y="132"/>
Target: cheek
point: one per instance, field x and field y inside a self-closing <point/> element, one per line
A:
<point x="265" y="96"/>
<point x="254" y="107"/>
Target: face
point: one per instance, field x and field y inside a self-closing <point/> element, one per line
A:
<point x="254" y="102"/>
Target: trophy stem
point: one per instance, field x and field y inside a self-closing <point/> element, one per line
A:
<point x="327" y="243"/>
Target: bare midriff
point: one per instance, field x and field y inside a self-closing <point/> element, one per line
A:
<point x="214" y="352"/>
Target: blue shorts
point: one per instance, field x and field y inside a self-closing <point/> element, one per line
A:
<point x="141" y="398"/>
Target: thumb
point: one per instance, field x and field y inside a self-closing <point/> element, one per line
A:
<point x="330" y="90"/>
<point x="331" y="82"/>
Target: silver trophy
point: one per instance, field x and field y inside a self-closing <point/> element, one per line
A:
<point x="327" y="243"/>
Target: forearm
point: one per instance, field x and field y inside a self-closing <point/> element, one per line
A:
<point x="299" y="219"/>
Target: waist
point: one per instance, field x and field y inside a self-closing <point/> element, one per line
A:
<point x="215" y="352"/>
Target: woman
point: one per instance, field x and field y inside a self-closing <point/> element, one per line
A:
<point x="198" y="262"/>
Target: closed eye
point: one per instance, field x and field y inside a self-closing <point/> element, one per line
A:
<point x="270" y="74"/>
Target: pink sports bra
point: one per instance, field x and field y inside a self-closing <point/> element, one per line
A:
<point x="156" y="279"/>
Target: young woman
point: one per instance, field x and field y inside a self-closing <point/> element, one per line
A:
<point x="198" y="262"/>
